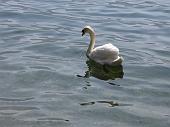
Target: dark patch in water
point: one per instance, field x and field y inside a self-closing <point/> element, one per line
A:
<point x="80" y="76"/>
<point x="53" y="119"/>
<point x="87" y="103"/>
<point x="111" y="103"/>
<point x="111" y="83"/>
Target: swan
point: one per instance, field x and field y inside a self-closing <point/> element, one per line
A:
<point x="106" y="54"/>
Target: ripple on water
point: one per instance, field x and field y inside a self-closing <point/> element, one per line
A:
<point x="41" y="52"/>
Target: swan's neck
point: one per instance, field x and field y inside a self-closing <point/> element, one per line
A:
<point x="92" y="43"/>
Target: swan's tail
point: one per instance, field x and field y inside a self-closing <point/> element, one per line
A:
<point x="118" y="61"/>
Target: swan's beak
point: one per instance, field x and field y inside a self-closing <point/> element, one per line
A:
<point x="83" y="32"/>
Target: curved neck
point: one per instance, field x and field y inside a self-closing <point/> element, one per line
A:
<point x="92" y="43"/>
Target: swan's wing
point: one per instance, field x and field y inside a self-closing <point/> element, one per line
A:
<point x="105" y="53"/>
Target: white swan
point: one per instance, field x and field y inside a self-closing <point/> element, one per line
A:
<point x="105" y="54"/>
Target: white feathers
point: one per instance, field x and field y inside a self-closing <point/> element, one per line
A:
<point x="105" y="54"/>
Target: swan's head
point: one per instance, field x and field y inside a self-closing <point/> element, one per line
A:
<point x="87" y="29"/>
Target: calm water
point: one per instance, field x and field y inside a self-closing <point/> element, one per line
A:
<point x="42" y="61"/>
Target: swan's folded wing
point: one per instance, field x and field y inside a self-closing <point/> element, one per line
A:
<point x="105" y="54"/>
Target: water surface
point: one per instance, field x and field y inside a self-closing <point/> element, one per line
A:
<point x="42" y="61"/>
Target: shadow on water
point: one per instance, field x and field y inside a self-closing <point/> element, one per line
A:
<point x="103" y="72"/>
<point x="109" y="103"/>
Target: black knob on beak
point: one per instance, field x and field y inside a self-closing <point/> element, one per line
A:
<point x="83" y="32"/>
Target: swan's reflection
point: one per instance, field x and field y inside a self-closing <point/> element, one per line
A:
<point x="103" y="72"/>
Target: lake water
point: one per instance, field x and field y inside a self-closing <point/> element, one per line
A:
<point x="43" y="61"/>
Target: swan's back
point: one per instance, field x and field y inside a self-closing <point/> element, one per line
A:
<point x="105" y="54"/>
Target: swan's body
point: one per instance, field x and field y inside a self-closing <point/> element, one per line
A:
<point x="105" y="54"/>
